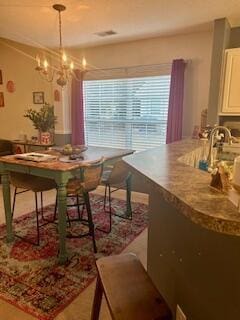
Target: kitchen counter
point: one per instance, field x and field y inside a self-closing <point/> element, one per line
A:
<point x="185" y="187"/>
<point x="193" y="234"/>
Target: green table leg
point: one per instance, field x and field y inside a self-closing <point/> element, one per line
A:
<point x="62" y="223"/>
<point x="7" y="206"/>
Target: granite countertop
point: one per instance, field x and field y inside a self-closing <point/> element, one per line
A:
<point x="185" y="187"/>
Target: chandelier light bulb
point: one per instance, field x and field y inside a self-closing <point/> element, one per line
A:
<point x="84" y="62"/>
<point x="71" y="65"/>
<point x="45" y="64"/>
<point x="64" y="57"/>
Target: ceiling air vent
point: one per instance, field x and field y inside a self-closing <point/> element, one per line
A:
<point x="106" y="33"/>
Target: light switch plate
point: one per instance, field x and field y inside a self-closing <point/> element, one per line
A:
<point x="179" y="314"/>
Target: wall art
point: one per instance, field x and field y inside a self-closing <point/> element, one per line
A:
<point x="10" y="86"/>
<point x="38" y="97"/>
<point x="56" y="95"/>
<point x="1" y="99"/>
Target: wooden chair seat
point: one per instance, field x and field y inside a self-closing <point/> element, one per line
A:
<point x="30" y="182"/>
<point x="129" y="291"/>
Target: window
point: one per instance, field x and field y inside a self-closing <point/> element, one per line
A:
<point x="127" y="113"/>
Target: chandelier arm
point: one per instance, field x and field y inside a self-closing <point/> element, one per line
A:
<point x="46" y="78"/>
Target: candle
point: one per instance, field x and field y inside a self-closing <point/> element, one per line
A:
<point x="64" y="57"/>
<point x="84" y="62"/>
<point x="45" y="64"/>
<point x="38" y="61"/>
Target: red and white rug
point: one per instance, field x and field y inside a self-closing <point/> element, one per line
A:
<point x="30" y="277"/>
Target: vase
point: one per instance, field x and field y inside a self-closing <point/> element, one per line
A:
<point x="45" y="137"/>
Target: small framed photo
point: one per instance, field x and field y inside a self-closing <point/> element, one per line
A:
<point x="1" y="99"/>
<point x="38" y="97"/>
<point x="1" y="79"/>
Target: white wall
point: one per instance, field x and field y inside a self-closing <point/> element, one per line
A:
<point x="17" y="65"/>
<point x="195" y="47"/>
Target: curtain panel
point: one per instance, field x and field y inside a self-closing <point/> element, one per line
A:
<point x="77" y="109"/>
<point x="175" y="109"/>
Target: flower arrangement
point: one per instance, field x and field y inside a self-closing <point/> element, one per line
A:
<point x="43" y="120"/>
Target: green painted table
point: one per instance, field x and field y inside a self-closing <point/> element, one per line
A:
<point x="59" y="171"/>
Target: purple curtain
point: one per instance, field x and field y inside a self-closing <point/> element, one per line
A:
<point x="175" y="108"/>
<point x="77" y="112"/>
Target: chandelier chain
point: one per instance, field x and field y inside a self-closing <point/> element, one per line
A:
<point x="65" y="69"/>
<point x="60" y="29"/>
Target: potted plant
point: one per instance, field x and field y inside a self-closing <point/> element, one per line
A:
<point x="44" y="121"/>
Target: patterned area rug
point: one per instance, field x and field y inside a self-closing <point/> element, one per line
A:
<point x="31" y="278"/>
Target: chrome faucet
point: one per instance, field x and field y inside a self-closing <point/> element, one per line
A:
<point x="210" y="158"/>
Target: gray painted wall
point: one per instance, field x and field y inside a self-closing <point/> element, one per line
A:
<point x="224" y="38"/>
<point x="235" y="38"/>
<point x="62" y="139"/>
<point x="221" y="41"/>
<point x="191" y="266"/>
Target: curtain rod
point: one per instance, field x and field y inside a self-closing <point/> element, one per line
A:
<point x="137" y="66"/>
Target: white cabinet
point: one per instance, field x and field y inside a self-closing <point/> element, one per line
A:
<point x="230" y="92"/>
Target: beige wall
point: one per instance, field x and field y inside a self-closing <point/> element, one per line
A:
<point x="17" y="65"/>
<point x="195" y="47"/>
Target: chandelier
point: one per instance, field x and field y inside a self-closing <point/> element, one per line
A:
<point x="65" y="69"/>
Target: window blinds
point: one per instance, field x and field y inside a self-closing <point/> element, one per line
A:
<point x="126" y="113"/>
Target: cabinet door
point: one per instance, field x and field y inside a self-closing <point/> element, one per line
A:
<point x="231" y="82"/>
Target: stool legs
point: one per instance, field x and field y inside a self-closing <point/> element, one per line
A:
<point x="14" y="201"/>
<point x="36" y="204"/>
<point x="37" y="217"/>
<point x="97" y="300"/>
<point x="90" y="221"/>
<point x="107" y="195"/>
<point x="14" y="198"/>
<point x="107" y="188"/>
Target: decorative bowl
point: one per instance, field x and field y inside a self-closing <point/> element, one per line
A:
<point x="73" y="150"/>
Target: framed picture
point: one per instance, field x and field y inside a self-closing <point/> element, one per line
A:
<point x="38" y="97"/>
<point x="1" y="99"/>
<point x="1" y="79"/>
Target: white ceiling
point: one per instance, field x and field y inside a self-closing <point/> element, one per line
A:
<point x="35" y="22"/>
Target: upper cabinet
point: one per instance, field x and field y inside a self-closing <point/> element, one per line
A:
<point x="230" y="90"/>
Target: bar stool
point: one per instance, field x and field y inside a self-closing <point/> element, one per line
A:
<point x="28" y="182"/>
<point x="79" y="187"/>
<point x="129" y="291"/>
<point x="113" y="179"/>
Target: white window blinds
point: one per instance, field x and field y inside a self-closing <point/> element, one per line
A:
<point x="127" y="113"/>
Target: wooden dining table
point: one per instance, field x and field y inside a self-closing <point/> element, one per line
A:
<point x="59" y="171"/>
